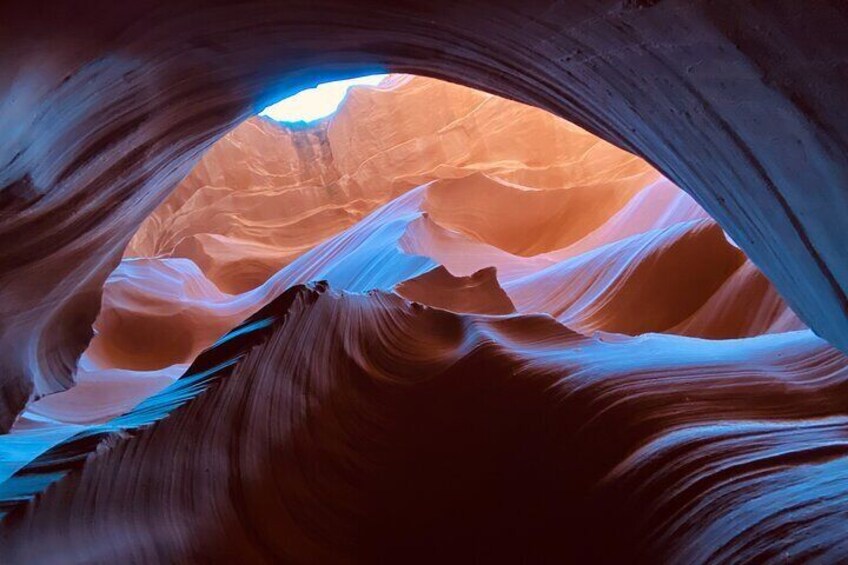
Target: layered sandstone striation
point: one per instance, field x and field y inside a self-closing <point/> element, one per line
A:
<point x="266" y="193"/>
<point x="528" y="344"/>
<point x="105" y="108"/>
<point x="599" y="241"/>
<point x="367" y="428"/>
<point x="567" y="224"/>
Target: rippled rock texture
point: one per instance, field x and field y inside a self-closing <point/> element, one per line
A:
<point x="571" y="361"/>
<point x="265" y="193"/>
<point x="104" y="108"/>
<point x="349" y="427"/>
<point x="506" y="362"/>
<point x="566" y="223"/>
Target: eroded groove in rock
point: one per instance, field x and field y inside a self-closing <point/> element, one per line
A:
<point x="216" y="363"/>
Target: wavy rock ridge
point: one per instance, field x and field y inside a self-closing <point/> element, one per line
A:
<point x="546" y="444"/>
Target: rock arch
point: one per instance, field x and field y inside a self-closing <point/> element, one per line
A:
<point x="104" y="107"/>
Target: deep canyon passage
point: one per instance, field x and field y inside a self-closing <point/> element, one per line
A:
<point x="438" y="325"/>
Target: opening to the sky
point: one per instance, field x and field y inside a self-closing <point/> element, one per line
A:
<point x="318" y="102"/>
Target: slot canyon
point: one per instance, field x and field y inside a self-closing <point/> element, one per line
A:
<point x="560" y="282"/>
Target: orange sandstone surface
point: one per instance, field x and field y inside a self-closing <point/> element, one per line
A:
<point x="505" y="204"/>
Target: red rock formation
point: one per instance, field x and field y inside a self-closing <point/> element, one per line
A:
<point x="266" y="194"/>
<point x="745" y="305"/>
<point x="603" y="252"/>
<point x="476" y="294"/>
<point x="524" y="220"/>
<point x="160" y="312"/>
<point x="365" y="428"/>
<point x="105" y="108"/>
<point x="645" y="283"/>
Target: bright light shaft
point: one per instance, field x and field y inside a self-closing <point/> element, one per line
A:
<point x="316" y="103"/>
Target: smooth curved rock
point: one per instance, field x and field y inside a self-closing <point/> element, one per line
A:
<point x="475" y="294"/>
<point x="105" y="108"/>
<point x="365" y="428"/>
<point x="267" y="193"/>
<point x="598" y="241"/>
<point x="160" y="312"/>
<point x="645" y="283"/>
<point x="745" y="305"/>
<point x="524" y="220"/>
<point x="362" y="427"/>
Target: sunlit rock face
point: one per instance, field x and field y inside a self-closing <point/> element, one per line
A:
<point x="265" y="193"/>
<point x="573" y="226"/>
<point x="567" y="224"/>
<point x="506" y="362"/>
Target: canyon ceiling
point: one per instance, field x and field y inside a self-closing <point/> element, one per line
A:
<point x="106" y="108"/>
